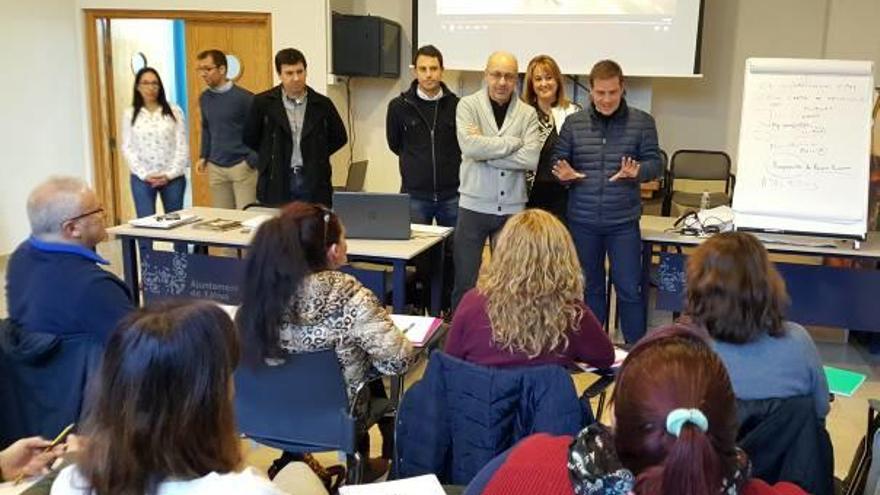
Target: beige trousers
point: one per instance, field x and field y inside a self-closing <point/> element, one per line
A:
<point x="232" y="187"/>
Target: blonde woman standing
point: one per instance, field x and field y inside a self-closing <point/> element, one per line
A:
<point x="545" y="91"/>
<point x="528" y="307"/>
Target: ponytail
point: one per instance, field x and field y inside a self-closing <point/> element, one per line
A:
<point x="675" y="414"/>
<point x="692" y="467"/>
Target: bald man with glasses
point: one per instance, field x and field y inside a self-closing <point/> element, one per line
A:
<point x="53" y="282"/>
<point x="500" y="141"/>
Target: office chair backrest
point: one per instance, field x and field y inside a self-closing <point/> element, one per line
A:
<point x="701" y="165"/>
<point x="357" y="175"/>
<point x="300" y="405"/>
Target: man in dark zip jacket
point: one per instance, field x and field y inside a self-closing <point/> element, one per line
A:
<point x="420" y="126"/>
<point x="604" y="153"/>
<point x="294" y="130"/>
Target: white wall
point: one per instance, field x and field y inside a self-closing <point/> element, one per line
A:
<point x="41" y="95"/>
<point x="45" y="126"/>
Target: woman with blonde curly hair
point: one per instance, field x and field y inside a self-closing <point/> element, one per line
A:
<point x="528" y="307"/>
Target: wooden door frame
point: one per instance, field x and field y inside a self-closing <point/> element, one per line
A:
<point x="106" y="182"/>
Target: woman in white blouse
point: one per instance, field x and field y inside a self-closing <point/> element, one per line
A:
<point x="154" y="144"/>
<point x="545" y="90"/>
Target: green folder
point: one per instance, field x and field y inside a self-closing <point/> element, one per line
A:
<point x="843" y="382"/>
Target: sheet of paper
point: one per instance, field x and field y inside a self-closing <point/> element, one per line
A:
<point x="10" y="488"/>
<point x="619" y="356"/>
<point x="253" y="223"/>
<point x="419" y="485"/>
<point x="429" y="229"/>
<point x="230" y="309"/>
<point x="418" y="329"/>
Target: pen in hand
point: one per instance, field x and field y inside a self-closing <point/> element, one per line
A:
<point x="48" y="448"/>
<point x="408" y="328"/>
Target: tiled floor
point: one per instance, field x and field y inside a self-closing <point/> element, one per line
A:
<point x="846" y="422"/>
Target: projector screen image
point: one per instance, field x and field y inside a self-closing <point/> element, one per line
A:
<point x="647" y="37"/>
<point x="556" y="7"/>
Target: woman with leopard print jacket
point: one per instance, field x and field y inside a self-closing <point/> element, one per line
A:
<point x="294" y="299"/>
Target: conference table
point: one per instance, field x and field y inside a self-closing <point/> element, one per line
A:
<point x="842" y="296"/>
<point x="425" y="241"/>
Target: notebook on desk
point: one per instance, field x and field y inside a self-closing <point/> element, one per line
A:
<point x="373" y="215"/>
<point x="164" y="221"/>
<point x="418" y="329"/>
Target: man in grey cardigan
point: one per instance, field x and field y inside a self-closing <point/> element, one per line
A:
<point x="500" y="140"/>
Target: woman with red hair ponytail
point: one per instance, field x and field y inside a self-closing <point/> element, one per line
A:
<point x="675" y="417"/>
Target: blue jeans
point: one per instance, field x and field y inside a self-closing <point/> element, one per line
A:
<point x="145" y="202"/>
<point x="623" y="244"/>
<point x="145" y="196"/>
<point x="425" y="211"/>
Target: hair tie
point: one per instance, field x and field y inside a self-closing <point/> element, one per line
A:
<point x="677" y="418"/>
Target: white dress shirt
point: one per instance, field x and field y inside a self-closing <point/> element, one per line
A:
<point x="156" y="144"/>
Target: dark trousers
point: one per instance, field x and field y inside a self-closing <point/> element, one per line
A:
<point x="445" y="211"/>
<point x="623" y="245"/>
<point x="471" y="232"/>
<point x="145" y="195"/>
<point x="424" y="211"/>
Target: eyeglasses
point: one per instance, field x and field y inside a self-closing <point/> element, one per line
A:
<point x="83" y="215"/>
<point x="502" y="76"/>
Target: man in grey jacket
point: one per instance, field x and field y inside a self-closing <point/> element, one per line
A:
<point x="500" y="140"/>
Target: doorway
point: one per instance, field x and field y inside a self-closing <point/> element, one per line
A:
<point x="119" y="42"/>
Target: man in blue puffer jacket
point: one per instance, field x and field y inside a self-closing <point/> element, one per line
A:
<point x="603" y="153"/>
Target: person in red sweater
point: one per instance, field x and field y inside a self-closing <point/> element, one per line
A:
<point x="528" y="307"/>
<point x="674" y="434"/>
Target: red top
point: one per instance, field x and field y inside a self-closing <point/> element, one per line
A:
<point x="470" y="339"/>
<point x="537" y="465"/>
<point x="758" y="487"/>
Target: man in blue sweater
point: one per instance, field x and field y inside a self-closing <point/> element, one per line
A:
<point x="53" y="281"/>
<point x="604" y="153"/>
<point x="230" y="164"/>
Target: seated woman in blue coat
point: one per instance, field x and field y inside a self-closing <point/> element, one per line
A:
<point x="528" y="307"/>
<point x="734" y="291"/>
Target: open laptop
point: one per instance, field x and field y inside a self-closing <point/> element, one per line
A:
<point x="373" y="215"/>
<point x="357" y="175"/>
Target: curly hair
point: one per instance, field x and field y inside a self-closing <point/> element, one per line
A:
<point x="533" y="285"/>
<point x="733" y="290"/>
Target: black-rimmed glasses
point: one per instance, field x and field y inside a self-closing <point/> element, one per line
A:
<point x="83" y="215"/>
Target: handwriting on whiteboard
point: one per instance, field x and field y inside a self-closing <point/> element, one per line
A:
<point x="796" y="123"/>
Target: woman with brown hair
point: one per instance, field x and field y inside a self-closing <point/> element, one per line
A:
<point x="162" y="419"/>
<point x="736" y="294"/>
<point x="545" y="90"/>
<point x="528" y="307"/>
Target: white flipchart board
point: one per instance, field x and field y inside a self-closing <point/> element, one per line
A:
<point x="804" y="147"/>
